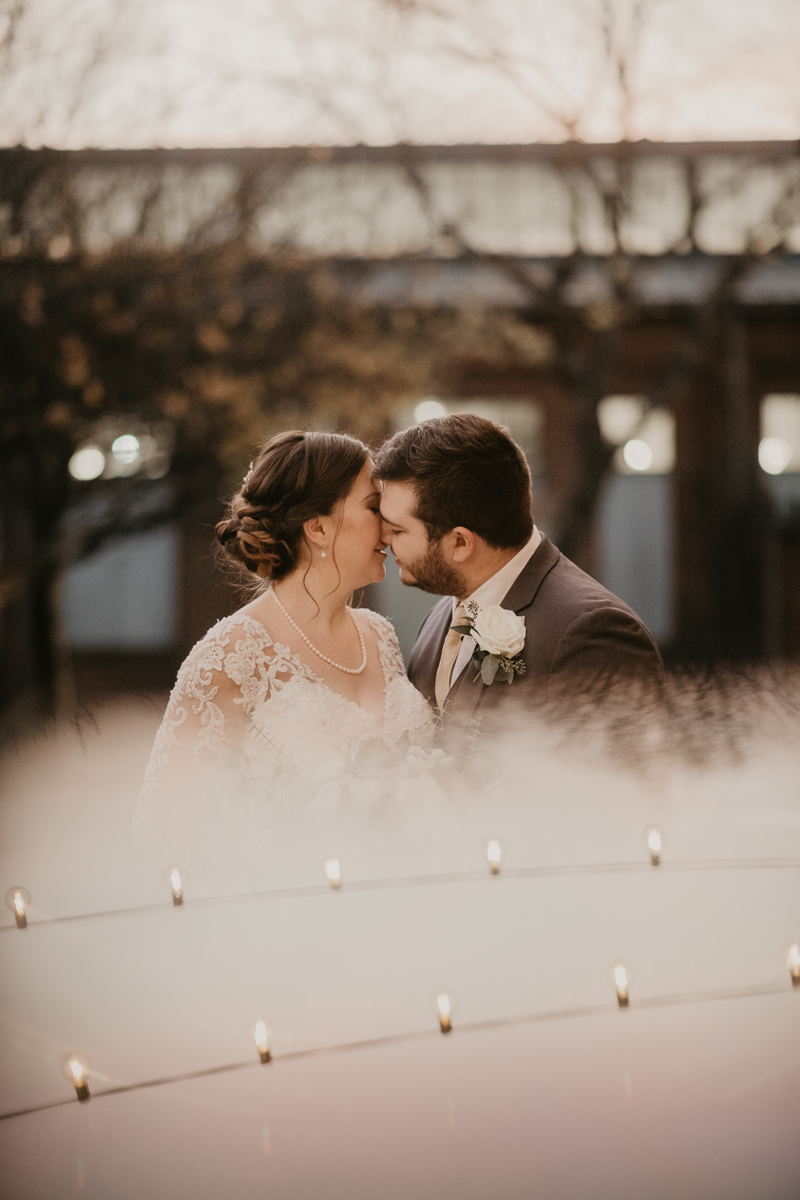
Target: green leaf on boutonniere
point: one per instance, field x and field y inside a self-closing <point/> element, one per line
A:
<point x="489" y="668"/>
<point x="461" y="629"/>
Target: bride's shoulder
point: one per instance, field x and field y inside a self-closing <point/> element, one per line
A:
<point x="236" y="658"/>
<point x="228" y="634"/>
<point x="232" y="642"/>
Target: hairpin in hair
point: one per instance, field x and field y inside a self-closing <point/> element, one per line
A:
<point x="246" y="479"/>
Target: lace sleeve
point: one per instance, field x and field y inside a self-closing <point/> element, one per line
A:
<point x="388" y="645"/>
<point x="198" y="759"/>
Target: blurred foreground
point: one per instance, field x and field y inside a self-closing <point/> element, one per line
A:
<point x="545" y="1084"/>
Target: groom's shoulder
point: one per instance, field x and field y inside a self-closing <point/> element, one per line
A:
<point x="574" y="590"/>
<point x="570" y="601"/>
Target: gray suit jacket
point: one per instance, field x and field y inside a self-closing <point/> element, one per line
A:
<point x="578" y="637"/>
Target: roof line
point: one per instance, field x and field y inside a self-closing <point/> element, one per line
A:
<point x="564" y="152"/>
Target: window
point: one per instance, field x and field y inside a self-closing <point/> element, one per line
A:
<point x="779" y="448"/>
<point x="644" y="437"/>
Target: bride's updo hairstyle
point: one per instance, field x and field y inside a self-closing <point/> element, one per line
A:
<point x="297" y="476"/>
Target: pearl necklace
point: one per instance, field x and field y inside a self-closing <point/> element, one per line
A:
<point x="347" y="670"/>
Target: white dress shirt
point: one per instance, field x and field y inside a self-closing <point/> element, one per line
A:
<point x="494" y="591"/>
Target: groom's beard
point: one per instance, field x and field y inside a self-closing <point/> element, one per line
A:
<point x="432" y="574"/>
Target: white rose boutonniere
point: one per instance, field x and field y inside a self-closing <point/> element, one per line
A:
<point x="499" y="637"/>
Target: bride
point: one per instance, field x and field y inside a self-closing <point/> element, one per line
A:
<point x="297" y="705"/>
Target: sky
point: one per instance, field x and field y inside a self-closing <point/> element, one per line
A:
<point x="270" y="72"/>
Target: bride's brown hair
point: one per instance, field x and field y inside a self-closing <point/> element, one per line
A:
<point x="295" y="477"/>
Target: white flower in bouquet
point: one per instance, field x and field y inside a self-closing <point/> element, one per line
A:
<point x="419" y="761"/>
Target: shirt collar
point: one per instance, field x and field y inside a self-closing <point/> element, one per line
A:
<point x="497" y="587"/>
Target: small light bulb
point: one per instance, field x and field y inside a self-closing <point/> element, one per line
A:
<point x="621" y="983"/>
<point x="654" y="844"/>
<point x="334" y="873"/>
<point x="18" y="899"/>
<point x="76" y="1068"/>
<point x="444" y="1009"/>
<point x="794" y="964"/>
<point x="176" y="885"/>
<point x="262" y="1041"/>
<point x="494" y="854"/>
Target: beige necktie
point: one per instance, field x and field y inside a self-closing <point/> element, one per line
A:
<point x="450" y="649"/>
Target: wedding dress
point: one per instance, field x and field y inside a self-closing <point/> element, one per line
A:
<point x="255" y="750"/>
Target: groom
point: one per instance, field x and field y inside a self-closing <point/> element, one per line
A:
<point x="456" y="511"/>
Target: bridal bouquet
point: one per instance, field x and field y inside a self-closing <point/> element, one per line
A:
<point x="499" y="637"/>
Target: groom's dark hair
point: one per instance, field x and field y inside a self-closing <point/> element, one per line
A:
<point x="466" y="471"/>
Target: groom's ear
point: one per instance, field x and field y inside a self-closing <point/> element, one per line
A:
<point x="461" y="543"/>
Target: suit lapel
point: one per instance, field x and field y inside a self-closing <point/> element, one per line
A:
<point x="424" y="661"/>
<point x="524" y="588"/>
<point x="466" y="693"/>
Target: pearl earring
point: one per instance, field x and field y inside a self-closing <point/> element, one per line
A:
<point x="323" y="555"/>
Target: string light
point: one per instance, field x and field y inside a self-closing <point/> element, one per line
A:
<point x="794" y="964"/>
<point x="444" y="1010"/>
<point x="366" y="885"/>
<point x="76" y="1068"/>
<point x="18" y="899"/>
<point x="591" y="1010"/>
<point x="654" y="844"/>
<point x="621" y="983"/>
<point x="261" y="1038"/>
<point x="176" y="884"/>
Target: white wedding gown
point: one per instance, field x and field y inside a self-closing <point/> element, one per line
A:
<point x="255" y="750"/>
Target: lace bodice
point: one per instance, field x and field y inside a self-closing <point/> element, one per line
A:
<point x="250" y="733"/>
